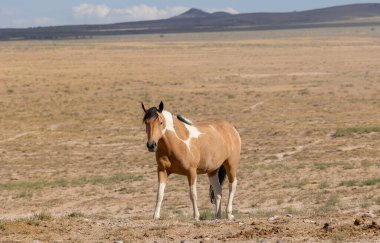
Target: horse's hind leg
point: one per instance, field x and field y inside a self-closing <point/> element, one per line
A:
<point x="217" y="188"/>
<point x="231" y="166"/>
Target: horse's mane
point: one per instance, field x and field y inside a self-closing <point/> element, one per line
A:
<point x="151" y="113"/>
<point x="184" y="120"/>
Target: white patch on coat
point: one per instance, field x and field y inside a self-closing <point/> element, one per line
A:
<point x="169" y="121"/>
<point x="193" y="131"/>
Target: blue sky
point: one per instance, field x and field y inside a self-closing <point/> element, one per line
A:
<point x="31" y="13"/>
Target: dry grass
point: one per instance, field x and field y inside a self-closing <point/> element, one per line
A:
<point x="72" y="140"/>
<point x="340" y="132"/>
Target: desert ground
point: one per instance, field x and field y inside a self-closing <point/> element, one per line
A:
<point x="73" y="161"/>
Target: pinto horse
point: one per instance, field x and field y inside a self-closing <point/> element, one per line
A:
<point x="209" y="147"/>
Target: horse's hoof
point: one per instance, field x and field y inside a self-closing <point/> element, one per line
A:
<point x="230" y="217"/>
<point x="156" y="217"/>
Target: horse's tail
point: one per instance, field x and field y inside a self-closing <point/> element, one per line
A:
<point x="221" y="177"/>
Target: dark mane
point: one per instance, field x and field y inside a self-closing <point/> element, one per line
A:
<point x="151" y="113"/>
<point x="184" y="120"/>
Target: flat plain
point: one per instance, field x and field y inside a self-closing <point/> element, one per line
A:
<point x="73" y="162"/>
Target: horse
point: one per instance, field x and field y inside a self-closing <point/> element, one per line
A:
<point x="209" y="147"/>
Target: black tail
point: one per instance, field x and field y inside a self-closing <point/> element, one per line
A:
<point x="221" y="177"/>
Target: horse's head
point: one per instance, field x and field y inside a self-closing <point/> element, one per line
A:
<point x="155" y="124"/>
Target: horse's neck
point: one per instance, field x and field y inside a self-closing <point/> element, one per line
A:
<point x="174" y="129"/>
<point x="167" y="141"/>
<point x="169" y="121"/>
<point x="175" y="136"/>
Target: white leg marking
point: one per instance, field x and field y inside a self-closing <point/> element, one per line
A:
<point x="193" y="197"/>
<point x="160" y="197"/>
<point x="217" y="188"/>
<point x="232" y="189"/>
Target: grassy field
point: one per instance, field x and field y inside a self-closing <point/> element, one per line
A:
<point x="73" y="162"/>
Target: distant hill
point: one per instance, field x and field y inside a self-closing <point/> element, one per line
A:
<point x="197" y="13"/>
<point x="196" y="20"/>
<point x="192" y="13"/>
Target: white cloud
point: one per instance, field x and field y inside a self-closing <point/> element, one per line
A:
<point x="146" y="12"/>
<point x="86" y="10"/>
<point x="228" y="10"/>
<point x="103" y="13"/>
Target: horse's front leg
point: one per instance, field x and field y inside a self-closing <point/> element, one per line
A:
<point x="162" y="178"/>
<point x="192" y="178"/>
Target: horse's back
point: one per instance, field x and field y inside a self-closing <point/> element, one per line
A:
<point x="219" y="141"/>
<point x="217" y="128"/>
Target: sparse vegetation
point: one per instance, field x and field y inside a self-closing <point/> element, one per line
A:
<point x="348" y="166"/>
<point x="206" y="215"/>
<point x="36" y="219"/>
<point x="291" y="210"/>
<point x="75" y="214"/>
<point x="324" y="185"/>
<point x="95" y="180"/>
<point x="366" y="163"/>
<point x="322" y="166"/>
<point x="32" y="221"/>
<point x="365" y="203"/>
<point x="279" y="201"/>
<point x="376" y="200"/>
<point x="349" y="183"/>
<point x="296" y="184"/>
<point x="265" y="213"/>
<point x="371" y="181"/>
<point x="304" y="92"/>
<point x="327" y="165"/>
<point x="230" y="96"/>
<point x="341" y="132"/>
<point x="330" y="205"/>
<point x="2" y="225"/>
<point x="271" y="157"/>
<point x="24" y="194"/>
<point x="44" y="215"/>
<point x="340" y="237"/>
<point x="366" y="182"/>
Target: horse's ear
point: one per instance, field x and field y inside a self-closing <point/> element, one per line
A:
<point x="143" y="106"/>
<point x="161" y="107"/>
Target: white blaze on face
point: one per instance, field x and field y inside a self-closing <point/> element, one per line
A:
<point x="193" y="131"/>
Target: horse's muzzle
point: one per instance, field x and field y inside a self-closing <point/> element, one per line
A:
<point x="152" y="146"/>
